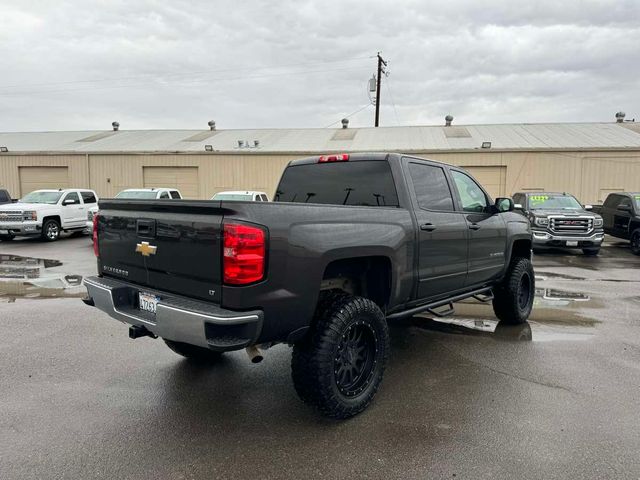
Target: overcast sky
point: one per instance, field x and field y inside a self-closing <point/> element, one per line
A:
<point x="78" y="65"/>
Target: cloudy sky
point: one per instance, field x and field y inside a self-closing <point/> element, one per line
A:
<point x="77" y="65"/>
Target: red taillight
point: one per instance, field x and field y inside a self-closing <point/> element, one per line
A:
<point x="96" y="250"/>
<point x="243" y="253"/>
<point x="343" y="157"/>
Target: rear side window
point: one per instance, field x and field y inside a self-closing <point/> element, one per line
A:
<point x="264" y="198"/>
<point x="431" y="187"/>
<point x="88" y="197"/>
<point x="364" y="183"/>
<point x="175" y="194"/>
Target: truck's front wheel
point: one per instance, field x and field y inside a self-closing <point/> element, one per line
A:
<point x="50" y="230"/>
<point x="513" y="297"/>
<point x="192" y="352"/>
<point x="338" y="367"/>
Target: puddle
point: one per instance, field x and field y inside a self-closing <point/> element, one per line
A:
<point x="28" y="277"/>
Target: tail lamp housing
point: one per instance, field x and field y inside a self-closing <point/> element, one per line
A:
<point x="243" y="253"/>
<point x="96" y="249"/>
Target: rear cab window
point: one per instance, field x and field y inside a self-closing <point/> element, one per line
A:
<point x="357" y="183"/>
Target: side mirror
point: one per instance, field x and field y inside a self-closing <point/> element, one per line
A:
<point x="69" y="202"/>
<point x="588" y="207"/>
<point x="504" y="204"/>
<point x="624" y="208"/>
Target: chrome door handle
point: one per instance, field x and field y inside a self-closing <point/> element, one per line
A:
<point x="474" y="226"/>
<point x="429" y="227"/>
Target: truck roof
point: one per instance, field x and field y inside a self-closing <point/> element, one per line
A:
<point x="364" y="156"/>
<point x="152" y="189"/>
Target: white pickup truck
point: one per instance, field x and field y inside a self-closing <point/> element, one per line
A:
<point x="138" y="194"/>
<point x="47" y="213"/>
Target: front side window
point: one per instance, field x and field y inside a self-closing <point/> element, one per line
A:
<point x="164" y="195"/>
<point x="431" y="187"/>
<point x="364" y="183"/>
<point x="472" y="198"/>
<point x="72" y="198"/>
<point x="40" y="196"/>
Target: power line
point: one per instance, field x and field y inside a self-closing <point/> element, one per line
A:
<point x="392" y="102"/>
<point x="350" y="115"/>
<point x="183" y="74"/>
<point x="243" y="77"/>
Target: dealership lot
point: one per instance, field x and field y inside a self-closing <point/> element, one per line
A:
<point x="555" y="398"/>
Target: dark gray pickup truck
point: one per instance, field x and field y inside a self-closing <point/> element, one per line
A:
<point x="350" y="242"/>
<point x="621" y="216"/>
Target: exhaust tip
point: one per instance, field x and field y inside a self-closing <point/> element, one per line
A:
<point x="255" y="355"/>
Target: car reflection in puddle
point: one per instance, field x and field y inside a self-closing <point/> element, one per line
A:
<point x="557" y="315"/>
<point x="28" y="277"/>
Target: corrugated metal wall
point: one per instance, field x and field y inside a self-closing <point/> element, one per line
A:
<point x="588" y="175"/>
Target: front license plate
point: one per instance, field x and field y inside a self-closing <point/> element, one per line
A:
<point x="4" y="232"/>
<point x="572" y="243"/>
<point x="148" y="302"/>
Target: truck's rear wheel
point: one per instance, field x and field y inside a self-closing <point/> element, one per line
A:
<point x="338" y="367"/>
<point x="192" y="352"/>
<point x="513" y="298"/>
<point x="635" y="242"/>
<point x="50" y="230"/>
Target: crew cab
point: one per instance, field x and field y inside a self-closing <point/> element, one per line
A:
<point x="139" y="193"/>
<point x="350" y="242"/>
<point x="559" y="220"/>
<point x="621" y="215"/>
<point x="47" y="213"/>
<point x="242" y="195"/>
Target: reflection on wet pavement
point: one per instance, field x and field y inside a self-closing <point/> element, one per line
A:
<point x="28" y="277"/>
<point x="557" y="315"/>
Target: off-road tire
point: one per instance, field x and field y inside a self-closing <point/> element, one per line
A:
<point x="635" y="242"/>
<point x="338" y="366"/>
<point x="513" y="297"/>
<point x="51" y="230"/>
<point x="193" y="353"/>
<point x="591" y="252"/>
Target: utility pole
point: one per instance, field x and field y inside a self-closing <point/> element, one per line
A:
<point x="381" y="65"/>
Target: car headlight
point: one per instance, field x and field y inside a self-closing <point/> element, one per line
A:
<point x="30" y="215"/>
<point x="597" y="222"/>
<point x="541" y="221"/>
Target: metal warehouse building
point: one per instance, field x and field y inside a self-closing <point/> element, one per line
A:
<point x="587" y="159"/>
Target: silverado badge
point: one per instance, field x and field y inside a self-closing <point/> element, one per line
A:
<point x="145" y="249"/>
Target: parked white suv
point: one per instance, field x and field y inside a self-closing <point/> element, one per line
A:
<point x="242" y="195"/>
<point x="137" y="194"/>
<point x="47" y="213"/>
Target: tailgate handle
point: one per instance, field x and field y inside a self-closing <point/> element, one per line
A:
<point x="146" y="228"/>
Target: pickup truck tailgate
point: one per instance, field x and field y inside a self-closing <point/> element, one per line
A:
<point x="169" y="245"/>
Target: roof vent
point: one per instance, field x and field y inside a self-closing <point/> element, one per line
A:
<point x="447" y="120"/>
<point x="240" y="143"/>
<point x="620" y="117"/>
<point x="212" y="124"/>
<point x="115" y="126"/>
<point x="256" y="143"/>
<point x="345" y="123"/>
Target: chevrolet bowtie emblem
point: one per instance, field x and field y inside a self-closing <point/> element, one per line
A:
<point x="145" y="249"/>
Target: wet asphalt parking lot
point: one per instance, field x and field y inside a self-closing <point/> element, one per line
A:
<point x="462" y="398"/>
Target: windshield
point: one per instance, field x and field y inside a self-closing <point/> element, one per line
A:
<point x="553" y="202"/>
<point x="42" y="197"/>
<point x="232" y="196"/>
<point x="137" y="194"/>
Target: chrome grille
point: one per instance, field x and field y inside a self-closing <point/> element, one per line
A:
<point x="568" y="225"/>
<point x="11" y="216"/>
